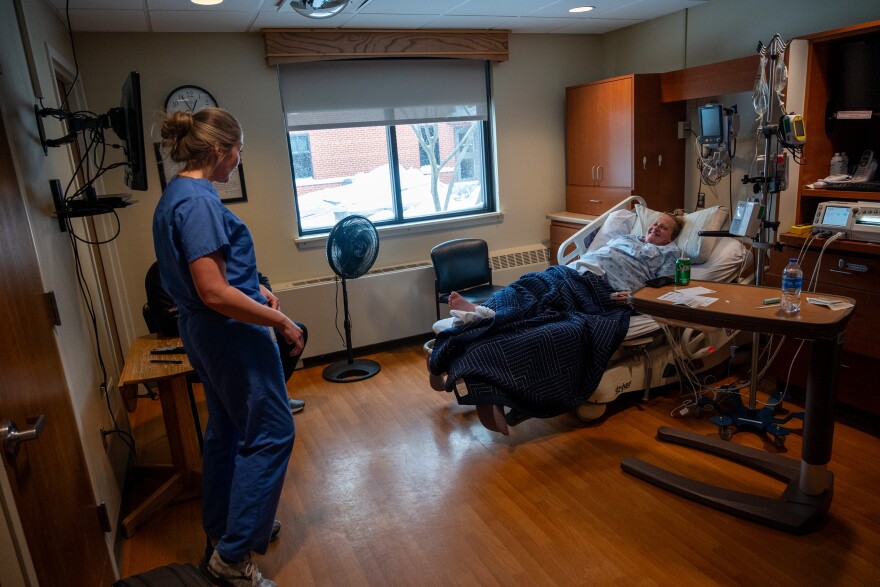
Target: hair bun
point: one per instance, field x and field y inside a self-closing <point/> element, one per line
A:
<point x="183" y="123"/>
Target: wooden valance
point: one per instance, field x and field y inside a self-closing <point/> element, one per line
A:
<point x="715" y="79"/>
<point x="297" y="45"/>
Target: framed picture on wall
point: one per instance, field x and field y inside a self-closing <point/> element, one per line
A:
<point x="232" y="191"/>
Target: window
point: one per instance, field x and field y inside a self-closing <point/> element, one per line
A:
<point x="396" y="141"/>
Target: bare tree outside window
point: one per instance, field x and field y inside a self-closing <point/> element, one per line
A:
<point x="429" y="142"/>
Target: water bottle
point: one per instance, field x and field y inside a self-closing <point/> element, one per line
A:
<point x="837" y="167"/>
<point x="792" y="281"/>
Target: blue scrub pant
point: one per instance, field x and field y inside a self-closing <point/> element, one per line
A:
<point x="250" y="431"/>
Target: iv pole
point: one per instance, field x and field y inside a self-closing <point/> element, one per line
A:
<point x="769" y="186"/>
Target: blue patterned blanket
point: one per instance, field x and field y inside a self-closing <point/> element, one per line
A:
<point x="545" y="350"/>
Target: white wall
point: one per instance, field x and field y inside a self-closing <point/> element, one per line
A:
<point x="529" y="134"/>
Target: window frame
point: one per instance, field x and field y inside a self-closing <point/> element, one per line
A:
<point x="489" y="212"/>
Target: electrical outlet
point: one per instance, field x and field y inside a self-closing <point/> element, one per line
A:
<point x="684" y="127"/>
<point x="701" y="201"/>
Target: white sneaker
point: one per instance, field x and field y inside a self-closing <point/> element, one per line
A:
<point x="241" y="574"/>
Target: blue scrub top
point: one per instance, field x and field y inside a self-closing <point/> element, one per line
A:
<point x="191" y="222"/>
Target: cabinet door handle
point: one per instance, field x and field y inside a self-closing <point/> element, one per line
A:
<point x="645" y="162"/>
<point x="659" y="160"/>
<point x="593" y="173"/>
<point x="599" y="172"/>
<point x="595" y="201"/>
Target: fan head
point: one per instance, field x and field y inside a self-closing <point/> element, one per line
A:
<point x="352" y="246"/>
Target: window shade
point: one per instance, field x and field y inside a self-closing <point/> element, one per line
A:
<point x="334" y="94"/>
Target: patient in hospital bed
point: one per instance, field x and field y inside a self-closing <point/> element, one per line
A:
<point x="540" y="346"/>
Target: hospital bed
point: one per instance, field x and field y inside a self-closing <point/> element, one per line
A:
<point x="650" y="355"/>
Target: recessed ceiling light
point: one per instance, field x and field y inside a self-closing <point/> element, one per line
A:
<point x="581" y="9"/>
<point x="206" y="2"/>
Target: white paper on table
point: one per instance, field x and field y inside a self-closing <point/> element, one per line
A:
<point x="835" y="305"/>
<point x="697" y="290"/>
<point x="692" y="301"/>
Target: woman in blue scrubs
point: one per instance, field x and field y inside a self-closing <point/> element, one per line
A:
<point x="226" y="319"/>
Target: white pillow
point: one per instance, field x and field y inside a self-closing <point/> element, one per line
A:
<point x="618" y="223"/>
<point x="694" y="246"/>
<point x="725" y="262"/>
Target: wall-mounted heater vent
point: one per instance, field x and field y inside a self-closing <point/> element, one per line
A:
<point x="388" y="303"/>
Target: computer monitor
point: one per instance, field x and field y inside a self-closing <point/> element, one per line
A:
<point x="127" y="122"/>
<point x="711" y="125"/>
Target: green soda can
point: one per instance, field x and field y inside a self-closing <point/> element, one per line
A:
<point x="683" y="271"/>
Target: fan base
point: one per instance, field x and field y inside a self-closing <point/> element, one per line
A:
<point x="347" y="371"/>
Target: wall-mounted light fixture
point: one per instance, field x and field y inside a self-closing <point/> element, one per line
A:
<point x="319" y="8"/>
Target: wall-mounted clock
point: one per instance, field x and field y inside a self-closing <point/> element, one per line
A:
<point x="190" y="98"/>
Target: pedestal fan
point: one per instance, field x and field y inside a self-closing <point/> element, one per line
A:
<point x="352" y="248"/>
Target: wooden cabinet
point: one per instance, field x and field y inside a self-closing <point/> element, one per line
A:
<point x="828" y="90"/>
<point x="562" y="226"/>
<point x="622" y="140"/>
<point x="851" y="269"/>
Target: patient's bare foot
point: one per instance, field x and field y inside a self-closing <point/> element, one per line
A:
<point x="456" y="302"/>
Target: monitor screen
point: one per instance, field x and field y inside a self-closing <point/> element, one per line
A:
<point x="711" y="125"/>
<point x="836" y="215"/>
<point x="127" y="122"/>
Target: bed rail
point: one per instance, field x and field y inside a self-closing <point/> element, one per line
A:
<point x="581" y="239"/>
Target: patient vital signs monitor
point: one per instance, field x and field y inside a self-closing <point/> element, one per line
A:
<point x="857" y="220"/>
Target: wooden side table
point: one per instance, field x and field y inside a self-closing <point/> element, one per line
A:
<point x="810" y="483"/>
<point x="186" y="468"/>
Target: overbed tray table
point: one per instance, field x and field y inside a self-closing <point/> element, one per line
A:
<point x="810" y="484"/>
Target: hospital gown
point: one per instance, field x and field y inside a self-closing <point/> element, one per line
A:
<point x="627" y="262"/>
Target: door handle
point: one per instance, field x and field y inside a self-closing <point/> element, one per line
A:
<point x="645" y="162"/>
<point x="12" y="437"/>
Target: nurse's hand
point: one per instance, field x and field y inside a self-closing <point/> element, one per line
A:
<point x="271" y="299"/>
<point x="294" y="337"/>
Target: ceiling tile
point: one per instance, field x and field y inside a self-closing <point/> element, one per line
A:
<point x="413" y="7"/>
<point x="99" y="4"/>
<point x="521" y="16"/>
<point x="498" y="7"/>
<point x="187" y="5"/>
<point x="176" y="21"/>
<point x="108" y="21"/>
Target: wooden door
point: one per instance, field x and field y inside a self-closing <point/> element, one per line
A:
<point x="50" y="484"/>
<point x="616" y="159"/>
<point x="585" y="129"/>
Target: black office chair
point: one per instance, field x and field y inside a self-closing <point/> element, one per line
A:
<point x="462" y="265"/>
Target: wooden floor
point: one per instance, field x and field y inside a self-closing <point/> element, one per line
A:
<point x="392" y="483"/>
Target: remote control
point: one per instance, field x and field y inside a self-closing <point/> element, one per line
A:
<point x="167" y="350"/>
